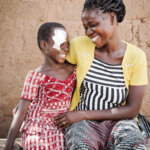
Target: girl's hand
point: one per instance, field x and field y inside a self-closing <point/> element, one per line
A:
<point x="68" y="118"/>
<point x="15" y="110"/>
<point x="18" y="118"/>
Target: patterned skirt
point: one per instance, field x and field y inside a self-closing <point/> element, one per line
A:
<point x="105" y="135"/>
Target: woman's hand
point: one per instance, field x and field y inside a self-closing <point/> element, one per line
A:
<point x="130" y="110"/>
<point x="68" y="118"/>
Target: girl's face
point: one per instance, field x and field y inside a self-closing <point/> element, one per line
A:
<point x="98" y="26"/>
<point x="58" y="45"/>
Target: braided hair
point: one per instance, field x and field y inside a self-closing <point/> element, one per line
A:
<point x="45" y="31"/>
<point x="116" y="6"/>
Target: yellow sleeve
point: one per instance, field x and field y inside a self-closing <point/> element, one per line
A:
<point x="139" y="71"/>
<point x="71" y="56"/>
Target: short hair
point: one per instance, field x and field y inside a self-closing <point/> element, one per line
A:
<point x="45" y="31"/>
<point x="116" y="6"/>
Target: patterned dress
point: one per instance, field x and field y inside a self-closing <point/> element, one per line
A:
<point x="50" y="97"/>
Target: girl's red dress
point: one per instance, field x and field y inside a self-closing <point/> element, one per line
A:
<point x="50" y="97"/>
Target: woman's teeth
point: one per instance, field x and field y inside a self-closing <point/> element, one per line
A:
<point x="95" y="38"/>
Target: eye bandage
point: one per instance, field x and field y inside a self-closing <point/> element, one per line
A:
<point x="59" y="38"/>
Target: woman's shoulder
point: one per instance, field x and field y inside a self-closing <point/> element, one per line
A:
<point x="81" y="39"/>
<point x="81" y="43"/>
<point x="134" y="50"/>
<point x="133" y="53"/>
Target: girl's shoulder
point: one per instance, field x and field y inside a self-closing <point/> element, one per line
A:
<point x="69" y="66"/>
<point x="34" y="76"/>
<point x="39" y="69"/>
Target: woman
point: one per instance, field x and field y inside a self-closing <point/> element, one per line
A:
<point x="111" y="80"/>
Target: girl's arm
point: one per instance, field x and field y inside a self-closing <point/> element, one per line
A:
<point x="16" y="123"/>
<point x="15" y="110"/>
<point x="130" y="110"/>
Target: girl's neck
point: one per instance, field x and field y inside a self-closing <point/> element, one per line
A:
<point x="51" y="64"/>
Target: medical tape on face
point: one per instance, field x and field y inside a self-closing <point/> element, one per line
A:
<point x="59" y="38"/>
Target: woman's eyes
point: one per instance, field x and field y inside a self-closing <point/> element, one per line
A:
<point x="85" y="27"/>
<point x="93" y="25"/>
<point x="90" y="26"/>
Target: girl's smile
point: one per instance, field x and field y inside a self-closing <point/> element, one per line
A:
<point x="57" y="46"/>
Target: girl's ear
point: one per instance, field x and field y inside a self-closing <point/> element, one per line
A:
<point x="43" y="45"/>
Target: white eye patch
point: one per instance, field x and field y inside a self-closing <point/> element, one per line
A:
<point x="59" y="38"/>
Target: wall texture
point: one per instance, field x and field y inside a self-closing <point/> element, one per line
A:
<point x="19" y="22"/>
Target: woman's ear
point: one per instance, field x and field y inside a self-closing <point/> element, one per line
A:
<point x="113" y="18"/>
<point x="43" y="45"/>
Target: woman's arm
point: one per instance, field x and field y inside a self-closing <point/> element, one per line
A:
<point x="16" y="123"/>
<point x="130" y="110"/>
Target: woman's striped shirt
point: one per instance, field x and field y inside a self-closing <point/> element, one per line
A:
<point x="103" y="87"/>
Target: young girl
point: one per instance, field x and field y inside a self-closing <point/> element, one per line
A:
<point x="47" y="93"/>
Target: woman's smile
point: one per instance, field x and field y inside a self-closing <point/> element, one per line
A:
<point x="94" y="39"/>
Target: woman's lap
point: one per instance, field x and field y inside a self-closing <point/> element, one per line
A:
<point x="88" y="135"/>
<point x="105" y="135"/>
<point x="127" y="135"/>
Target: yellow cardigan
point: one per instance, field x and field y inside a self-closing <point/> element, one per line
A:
<point x="82" y="54"/>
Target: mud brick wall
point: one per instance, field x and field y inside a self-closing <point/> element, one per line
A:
<point x="19" y="22"/>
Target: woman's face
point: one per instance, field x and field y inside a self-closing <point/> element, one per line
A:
<point x="98" y="26"/>
<point x="58" y="45"/>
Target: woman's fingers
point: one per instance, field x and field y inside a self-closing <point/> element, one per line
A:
<point x="63" y="125"/>
<point x="58" y="117"/>
<point x="58" y="121"/>
<point x="66" y="125"/>
<point x="62" y="121"/>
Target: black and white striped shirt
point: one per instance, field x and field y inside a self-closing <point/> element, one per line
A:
<point x="103" y="87"/>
